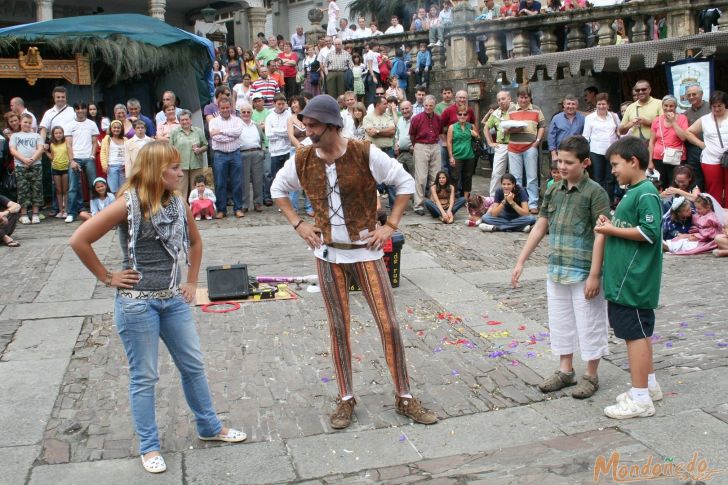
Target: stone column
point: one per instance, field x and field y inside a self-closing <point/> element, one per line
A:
<point x="44" y="10"/>
<point x="605" y="34"/>
<point x="462" y="49"/>
<point x="256" y="17"/>
<point x="157" y="8"/>
<point x="315" y="31"/>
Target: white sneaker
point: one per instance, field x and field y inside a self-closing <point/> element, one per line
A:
<point x="431" y="44"/>
<point x="438" y="43"/>
<point x="655" y="394"/>
<point x="35" y="219"/>
<point x="629" y="408"/>
<point x="209" y="218"/>
<point x="486" y="227"/>
<point x="526" y="229"/>
<point x="69" y="218"/>
<point x="198" y="218"/>
<point x="24" y="220"/>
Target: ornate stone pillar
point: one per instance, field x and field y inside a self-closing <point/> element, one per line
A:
<point x="157" y="8"/>
<point x="462" y="49"/>
<point x="256" y="17"/>
<point x="315" y="32"/>
<point x="44" y="10"/>
<point x="575" y="39"/>
<point x="493" y="47"/>
<point x="438" y="56"/>
<point x="639" y="30"/>
<point x="548" y="41"/>
<point x="605" y="34"/>
<point x="521" y="47"/>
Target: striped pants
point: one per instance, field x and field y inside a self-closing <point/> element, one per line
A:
<point x="374" y="282"/>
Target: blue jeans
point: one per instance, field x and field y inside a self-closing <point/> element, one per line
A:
<point x="228" y="168"/>
<point x="503" y="224"/>
<point x="75" y="199"/>
<point x="516" y="163"/>
<point x="115" y="177"/>
<point x="140" y="324"/>
<point x="267" y="179"/>
<point x="276" y="163"/>
<point x="432" y="207"/>
<point x="293" y="197"/>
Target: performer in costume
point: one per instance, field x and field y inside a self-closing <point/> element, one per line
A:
<point x="340" y="177"/>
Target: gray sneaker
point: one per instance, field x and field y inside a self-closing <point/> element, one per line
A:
<point x="586" y="387"/>
<point x="558" y="380"/>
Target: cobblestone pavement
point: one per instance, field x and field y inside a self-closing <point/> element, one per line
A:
<point x="475" y="347"/>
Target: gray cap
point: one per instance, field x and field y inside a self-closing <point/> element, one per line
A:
<point x="324" y="109"/>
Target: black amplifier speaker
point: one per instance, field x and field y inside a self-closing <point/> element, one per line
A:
<point x="228" y="282"/>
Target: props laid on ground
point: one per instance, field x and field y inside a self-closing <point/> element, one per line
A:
<point x="312" y="281"/>
<point x="260" y="292"/>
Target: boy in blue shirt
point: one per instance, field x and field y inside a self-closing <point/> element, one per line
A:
<point x="424" y="66"/>
<point x="632" y="274"/>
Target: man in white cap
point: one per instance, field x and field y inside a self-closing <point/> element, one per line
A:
<point x="340" y="176"/>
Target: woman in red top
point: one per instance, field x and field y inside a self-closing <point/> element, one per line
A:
<point x="289" y="61"/>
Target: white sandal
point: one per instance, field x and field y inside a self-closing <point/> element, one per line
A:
<point x="232" y="436"/>
<point x="155" y="464"/>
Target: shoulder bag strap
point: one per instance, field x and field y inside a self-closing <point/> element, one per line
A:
<point x="659" y="123"/>
<point x="717" y="128"/>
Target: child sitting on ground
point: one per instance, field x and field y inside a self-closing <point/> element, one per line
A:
<point x="509" y="211"/>
<point x="442" y="202"/>
<point x="555" y="174"/>
<point x="478" y="205"/>
<point x="678" y="221"/>
<point x="100" y="199"/>
<point x="707" y="224"/>
<point x="683" y="185"/>
<point x="202" y="200"/>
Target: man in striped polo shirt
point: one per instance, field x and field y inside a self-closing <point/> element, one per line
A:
<point x="523" y="145"/>
<point x="225" y="131"/>
<point x="265" y="86"/>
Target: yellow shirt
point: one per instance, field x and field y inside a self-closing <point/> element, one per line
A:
<point x="60" y="156"/>
<point x="649" y="112"/>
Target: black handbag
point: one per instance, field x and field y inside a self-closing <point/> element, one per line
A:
<point x="8" y="183"/>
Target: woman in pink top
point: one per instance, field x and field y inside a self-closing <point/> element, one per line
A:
<point x="668" y="131"/>
<point x="170" y="123"/>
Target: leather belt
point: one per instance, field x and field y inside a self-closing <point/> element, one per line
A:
<point x="335" y="245"/>
<point x="250" y="149"/>
<point x="149" y="294"/>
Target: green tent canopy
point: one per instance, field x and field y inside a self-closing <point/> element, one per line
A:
<point x="125" y="46"/>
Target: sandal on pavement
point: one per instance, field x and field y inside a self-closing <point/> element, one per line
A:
<point x="12" y="244"/>
<point x="586" y="387"/>
<point x="232" y="436"/>
<point x="155" y="464"/>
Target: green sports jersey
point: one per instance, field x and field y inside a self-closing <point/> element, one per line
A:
<point x="633" y="269"/>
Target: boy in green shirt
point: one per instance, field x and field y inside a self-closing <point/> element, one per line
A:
<point x="632" y="273"/>
<point x="576" y="306"/>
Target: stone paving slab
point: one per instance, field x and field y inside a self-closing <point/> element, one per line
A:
<point x="48" y="310"/>
<point x="347" y="452"/>
<point x="15" y="463"/>
<point x="73" y="289"/>
<point x="255" y="463"/>
<point x="108" y="472"/>
<point x="44" y="339"/>
<point x="481" y="432"/>
<point x="679" y="436"/>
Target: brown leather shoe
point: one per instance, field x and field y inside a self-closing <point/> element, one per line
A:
<point x="239" y="214"/>
<point x="341" y="418"/>
<point x="258" y="208"/>
<point x="413" y="409"/>
<point x="219" y="215"/>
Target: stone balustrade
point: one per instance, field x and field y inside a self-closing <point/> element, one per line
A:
<point x="462" y="36"/>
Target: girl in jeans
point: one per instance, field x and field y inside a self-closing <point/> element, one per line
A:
<point x="157" y="233"/>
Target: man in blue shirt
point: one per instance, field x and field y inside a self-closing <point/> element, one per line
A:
<point x="565" y="124"/>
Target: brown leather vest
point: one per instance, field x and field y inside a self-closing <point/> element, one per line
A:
<point x="356" y="186"/>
